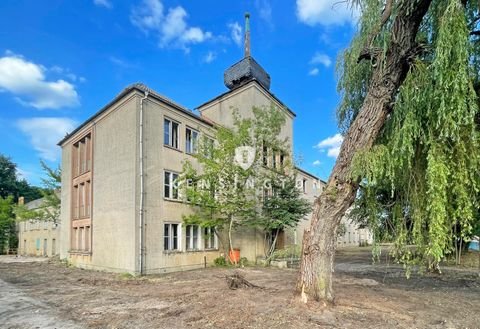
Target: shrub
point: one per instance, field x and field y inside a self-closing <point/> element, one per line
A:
<point x="220" y="261"/>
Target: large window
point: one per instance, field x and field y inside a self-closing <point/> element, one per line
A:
<point x="171" y="236"/>
<point x="170" y="190"/>
<point x="170" y="133"/>
<point x="82" y="156"/>
<point x="191" y="141"/>
<point x="209" y="238"/>
<point x="191" y="237"/>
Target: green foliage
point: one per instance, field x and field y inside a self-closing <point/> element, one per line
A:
<point x="420" y="183"/>
<point x="220" y="261"/>
<point x="292" y="251"/>
<point x="8" y="237"/>
<point x="284" y="207"/>
<point x="11" y="185"/>
<point x="49" y="210"/>
<point x="223" y="194"/>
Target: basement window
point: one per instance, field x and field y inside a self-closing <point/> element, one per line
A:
<point x="171" y="233"/>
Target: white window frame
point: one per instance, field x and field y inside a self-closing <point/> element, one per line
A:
<point x="206" y="232"/>
<point x="190" y="237"/>
<point x="171" y="140"/>
<point x="171" y="185"/>
<point x="191" y="146"/>
<point x="170" y="236"/>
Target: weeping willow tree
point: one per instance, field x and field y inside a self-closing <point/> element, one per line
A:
<point x="408" y="114"/>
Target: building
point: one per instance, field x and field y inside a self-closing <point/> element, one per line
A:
<point x="37" y="237"/>
<point x="120" y="210"/>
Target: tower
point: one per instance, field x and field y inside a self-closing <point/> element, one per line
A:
<point x="246" y="69"/>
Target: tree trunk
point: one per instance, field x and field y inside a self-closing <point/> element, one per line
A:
<point x="319" y="242"/>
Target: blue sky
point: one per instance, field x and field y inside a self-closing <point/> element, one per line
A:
<point x="61" y="61"/>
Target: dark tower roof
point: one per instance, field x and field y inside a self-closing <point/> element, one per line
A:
<point x="247" y="69"/>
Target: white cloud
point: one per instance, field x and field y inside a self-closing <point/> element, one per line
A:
<point x="121" y="62"/>
<point x="264" y="9"/>
<point x="27" y="82"/>
<point x="326" y="12"/>
<point x="313" y="71"/>
<point x="331" y="144"/>
<point x="320" y="58"/>
<point x="316" y="163"/>
<point x="210" y="57"/>
<point x="45" y="133"/>
<point x="103" y="3"/>
<point x="172" y="28"/>
<point x="236" y="33"/>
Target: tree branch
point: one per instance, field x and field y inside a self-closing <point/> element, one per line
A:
<point x="371" y="53"/>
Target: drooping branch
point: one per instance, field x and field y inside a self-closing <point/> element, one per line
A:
<point x="368" y="51"/>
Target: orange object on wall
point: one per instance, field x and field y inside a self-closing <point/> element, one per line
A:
<point x="234" y="256"/>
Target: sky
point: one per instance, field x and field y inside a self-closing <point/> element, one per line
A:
<point x="61" y="61"/>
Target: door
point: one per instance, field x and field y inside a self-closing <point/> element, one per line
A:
<point x="54" y="252"/>
<point x="45" y="248"/>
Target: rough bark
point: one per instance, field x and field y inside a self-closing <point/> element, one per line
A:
<point x="319" y="243"/>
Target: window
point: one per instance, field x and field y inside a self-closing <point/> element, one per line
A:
<point x="170" y="185"/>
<point x="209" y="238"/>
<point x="265" y="155"/>
<point x="170" y="133"/>
<point x="170" y="237"/>
<point x="82" y="156"/>
<point x="282" y="159"/>
<point x="274" y="159"/>
<point x="191" y="141"/>
<point x="191" y="235"/>
<point x="304" y="185"/>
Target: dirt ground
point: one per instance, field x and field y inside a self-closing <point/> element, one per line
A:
<point x="47" y="294"/>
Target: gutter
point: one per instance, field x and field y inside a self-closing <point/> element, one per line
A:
<point x="142" y="192"/>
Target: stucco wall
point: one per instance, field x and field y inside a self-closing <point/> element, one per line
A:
<point x="114" y="188"/>
<point x="38" y="238"/>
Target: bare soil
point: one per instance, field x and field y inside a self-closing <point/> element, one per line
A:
<point x="51" y="295"/>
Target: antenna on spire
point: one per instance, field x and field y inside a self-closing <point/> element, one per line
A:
<point x="247" y="34"/>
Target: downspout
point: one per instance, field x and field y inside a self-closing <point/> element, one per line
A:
<point x="142" y="191"/>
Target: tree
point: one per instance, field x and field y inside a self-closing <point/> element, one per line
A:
<point x="8" y="237"/>
<point x="11" y="185"/>
<point x="408" y="111"/>
<point x="223" y="193"/>
<point x="49" y="210"/>
<point x="283" y="208"/>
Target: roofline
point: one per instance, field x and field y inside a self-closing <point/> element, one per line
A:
<point x="249" y="81"/>
<point x="142" y="88"/>
<point x="309" y="174"/>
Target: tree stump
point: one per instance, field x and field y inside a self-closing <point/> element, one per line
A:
<point x="238" y="281"/>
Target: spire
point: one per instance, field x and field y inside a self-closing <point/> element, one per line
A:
<point x="247" y="35"/>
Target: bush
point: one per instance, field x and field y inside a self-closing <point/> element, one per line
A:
<point x="243" y="261"/>
<point x="292" y="251"/>
<point x="220" y="261"/>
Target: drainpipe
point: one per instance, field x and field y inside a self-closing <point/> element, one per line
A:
<point x="142" y="192"/>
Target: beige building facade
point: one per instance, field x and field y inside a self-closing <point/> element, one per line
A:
<point x="120" y="209"/>
<point x="37" y="237"/>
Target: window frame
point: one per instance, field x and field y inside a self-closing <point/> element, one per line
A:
<point x="171" y="185"/>
<point x="169" y="238"/>
<point x="210" y="233"/>
<point x="170" y="133"/>
<point x="192" y="237"/>
<point x="191" y="146"/>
